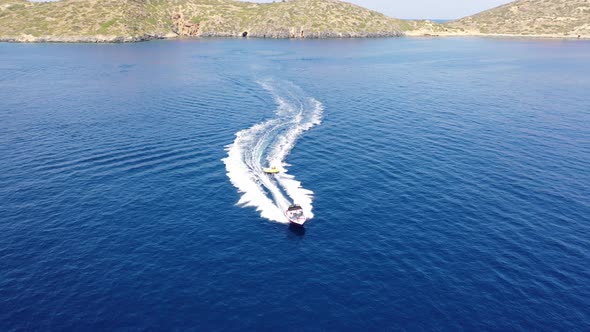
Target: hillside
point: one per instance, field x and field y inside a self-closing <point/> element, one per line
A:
<point x="132" y="20"/>
<point x="544" y="18"/>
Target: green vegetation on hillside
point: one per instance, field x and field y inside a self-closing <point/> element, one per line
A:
<point x="137" y="18"/>
<point x="130" y="20"/>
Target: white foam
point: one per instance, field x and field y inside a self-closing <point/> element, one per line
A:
<point x="270" y="142"/>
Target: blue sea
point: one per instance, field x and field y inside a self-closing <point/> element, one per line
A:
<point x="446" y="182"/>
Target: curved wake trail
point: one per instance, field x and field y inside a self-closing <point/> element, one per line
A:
<point x="268" y="144"/>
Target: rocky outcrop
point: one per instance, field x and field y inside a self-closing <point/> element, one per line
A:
<point x="184" y="28"/>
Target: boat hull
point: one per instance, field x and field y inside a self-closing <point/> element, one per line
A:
<point x="295" y="215"/>
<point x="297" y="223"/>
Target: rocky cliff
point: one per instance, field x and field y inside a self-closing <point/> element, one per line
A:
<point x="133" y="20"/>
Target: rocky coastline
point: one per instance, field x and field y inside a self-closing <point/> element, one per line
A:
<point x="271" y="35"/>
<point x="280" y="34"/>
<point x="77" y="39"/>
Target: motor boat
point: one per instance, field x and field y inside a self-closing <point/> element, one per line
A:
<point x="295" y="215"/>
<point x="271" y="170"/>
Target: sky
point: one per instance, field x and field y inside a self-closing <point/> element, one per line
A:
<point x="433" y="9"/>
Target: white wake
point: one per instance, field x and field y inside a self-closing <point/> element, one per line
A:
<point x="268" y="144"/>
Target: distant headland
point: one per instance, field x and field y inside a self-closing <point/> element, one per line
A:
<point x="522" y="18"/>
<point x="138" y="20"/>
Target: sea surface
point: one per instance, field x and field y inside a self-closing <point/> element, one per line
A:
<point x="447" y="183"/>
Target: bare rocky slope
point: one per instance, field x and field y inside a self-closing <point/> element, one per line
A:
<point x="134" y="20"/>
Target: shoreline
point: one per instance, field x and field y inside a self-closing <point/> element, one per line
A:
<point x="100" y="39"/>
<point x="433" y="34"/>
